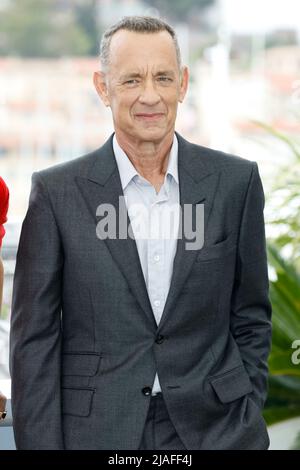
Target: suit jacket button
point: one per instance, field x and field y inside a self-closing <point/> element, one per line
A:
<point x="159" y="339"/>
<point x="147" y="391"/>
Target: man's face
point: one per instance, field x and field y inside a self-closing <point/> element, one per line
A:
<point x="142" y="85"/>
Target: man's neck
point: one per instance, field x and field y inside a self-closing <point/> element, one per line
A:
<point x="150" y="159"/>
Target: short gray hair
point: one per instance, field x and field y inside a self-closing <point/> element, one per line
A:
<point x="139" y="24"/>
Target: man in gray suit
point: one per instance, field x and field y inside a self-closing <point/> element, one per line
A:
<point x="142" y="342"/>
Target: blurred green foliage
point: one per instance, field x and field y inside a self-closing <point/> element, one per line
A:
<point x="35" y="28"/>
<point x="283" y="256"/>
<point x="4" y="312"/>
<point x="54" y="28"/>
<point x="179" y="9"/>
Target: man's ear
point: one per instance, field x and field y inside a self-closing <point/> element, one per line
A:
<point x="101" y="87"/>
<point x="184" y="79"/>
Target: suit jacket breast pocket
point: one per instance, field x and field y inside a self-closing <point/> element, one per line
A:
<point x="218" y="250"/>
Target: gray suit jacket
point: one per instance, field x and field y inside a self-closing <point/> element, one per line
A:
<point x="84" y="342"/>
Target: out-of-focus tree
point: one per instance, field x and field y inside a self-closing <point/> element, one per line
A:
<point x="25" y="27"/>
<point x="48" y="28"/>
<point x="180" y="9"/>
<point x="86" y="18"/>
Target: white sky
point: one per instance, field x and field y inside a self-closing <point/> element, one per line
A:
<point x="246" y="16"/>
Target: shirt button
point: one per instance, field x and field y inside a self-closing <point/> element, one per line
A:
<point x="157" y="303"/>
<point x="156" y="258"/>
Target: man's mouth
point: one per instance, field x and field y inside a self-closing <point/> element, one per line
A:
<point x="149" y="116"/>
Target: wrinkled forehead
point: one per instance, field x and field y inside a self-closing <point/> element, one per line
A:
<point x="132" y="50"/>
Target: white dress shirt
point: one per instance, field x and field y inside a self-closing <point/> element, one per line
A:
<point x="154" y="218"/>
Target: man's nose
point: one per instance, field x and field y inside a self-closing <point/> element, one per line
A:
<point x="149" y="94"/>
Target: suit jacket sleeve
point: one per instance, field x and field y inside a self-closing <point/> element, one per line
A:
<point x="35" y="341"/>
<point x="251" y="308"/>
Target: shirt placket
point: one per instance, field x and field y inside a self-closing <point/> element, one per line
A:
<point x="157" y="255"/>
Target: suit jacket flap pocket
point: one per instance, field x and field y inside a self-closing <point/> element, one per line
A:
<point x="232" y="385"/>
<point x="84" y="364"/>
<point x="77" y="401"/>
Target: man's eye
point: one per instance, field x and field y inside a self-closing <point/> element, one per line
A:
<point x="165" y="79"/>
<point x="130" y="82"/>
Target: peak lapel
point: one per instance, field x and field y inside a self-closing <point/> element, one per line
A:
<point x="102" y="185"/>
<point x="198" y="181"/>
